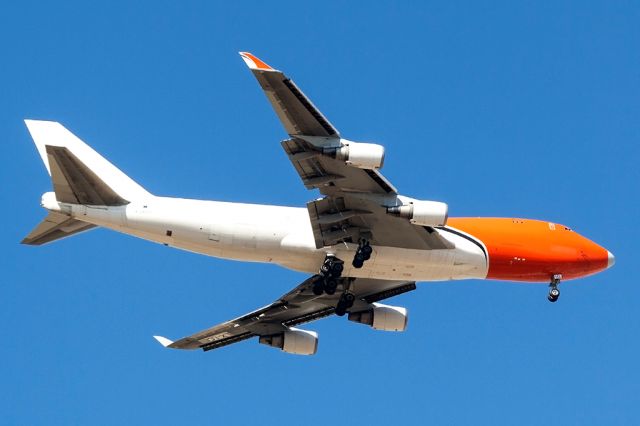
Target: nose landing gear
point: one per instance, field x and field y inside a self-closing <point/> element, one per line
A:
<point x="554" y="292"/>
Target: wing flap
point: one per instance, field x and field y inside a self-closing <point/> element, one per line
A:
<point x="226" y="342"/>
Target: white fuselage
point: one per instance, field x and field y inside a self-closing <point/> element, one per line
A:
<point x="270" y="234"/>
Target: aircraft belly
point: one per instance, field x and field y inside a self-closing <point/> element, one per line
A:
<point x="466" y="260"/>
<point x="279" y="235"/>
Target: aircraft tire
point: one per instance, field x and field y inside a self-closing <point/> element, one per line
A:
<point x="330" y="286"/>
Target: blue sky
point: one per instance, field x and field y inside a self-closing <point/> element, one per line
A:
<point x="524" y="109"/>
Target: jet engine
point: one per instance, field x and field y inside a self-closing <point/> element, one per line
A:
<point x="293" y="341"/>
<point x="358" y="154"/>
<point x="423" y="213"/>
<point x="382" y="317"/>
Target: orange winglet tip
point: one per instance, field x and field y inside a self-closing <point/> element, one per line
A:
<point x="254" y="63"/>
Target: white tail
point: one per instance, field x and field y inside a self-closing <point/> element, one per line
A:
<point x="80" y="175"/>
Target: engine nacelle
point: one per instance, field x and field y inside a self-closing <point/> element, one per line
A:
<point x="362" y="155"/>
<point x="293" y="341"/>
<point x="423" y="213"/>
<point x="382" y="317"/>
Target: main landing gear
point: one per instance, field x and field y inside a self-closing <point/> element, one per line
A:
<point x="327" y="282"/>
<point x="330" y="272"/>
<point x="363" y="253"/>
<point x="554" y="292"/>
<point x="346" y="301"/>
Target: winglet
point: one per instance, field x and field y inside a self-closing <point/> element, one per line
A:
<point x="163" y="340"/>
<point x="254" y="63"/>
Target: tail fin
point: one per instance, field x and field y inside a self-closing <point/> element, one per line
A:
<point x="80" y="175"/>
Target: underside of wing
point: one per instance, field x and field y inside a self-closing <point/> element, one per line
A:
<point x="356" y="203"/>
<point x="330" y="175"/>
<point x="358" y="198"/>
<point x="298" y="114"/>
<point x="274" y="324"/>
<point x="349" y="218"/>
<point x="312" y="133"/>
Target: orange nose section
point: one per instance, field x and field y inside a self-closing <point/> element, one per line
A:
<point x="535" y="251"/>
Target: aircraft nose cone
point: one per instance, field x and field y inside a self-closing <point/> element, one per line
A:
<point x="612" y="259"/>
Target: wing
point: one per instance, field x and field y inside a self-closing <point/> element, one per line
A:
<point x="355" y="204"/>
<point x="298" y="306"/>
<point x="303" y="121"/>
<point x="356" y="199"/>
<point x="298" y="115"/>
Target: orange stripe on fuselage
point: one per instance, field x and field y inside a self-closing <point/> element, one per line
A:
<point x="533" y="250"/>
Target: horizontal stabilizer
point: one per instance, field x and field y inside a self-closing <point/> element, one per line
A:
<point x="163" y="341"/>
<point x="54" y="227"/>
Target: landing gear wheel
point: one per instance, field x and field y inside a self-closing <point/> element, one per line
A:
<point x="330" y="286"/>
<point x="348" y="299"/>
<point x="330" y="272"/>
<point x="554" y="292"/>
<point x="366" y="251"/>
<point x="336" y="269"/>
<point x="345" y="302"/>
<point x="332" y="266"/>
<point x="318" y="287"/>
<point x="363" y="253"/>
<point x="358" y="261"/>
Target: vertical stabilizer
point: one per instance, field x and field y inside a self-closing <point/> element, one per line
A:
<point x="80" y="175"/>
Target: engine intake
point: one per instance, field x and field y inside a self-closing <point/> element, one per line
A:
<point x="358" y="154"/>
<point x="293" y="341"/>
<point x="423" y="213"/>
<point x="382" y="317"/>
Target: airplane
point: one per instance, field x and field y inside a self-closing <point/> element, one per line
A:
<point x="362" y="242"/>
